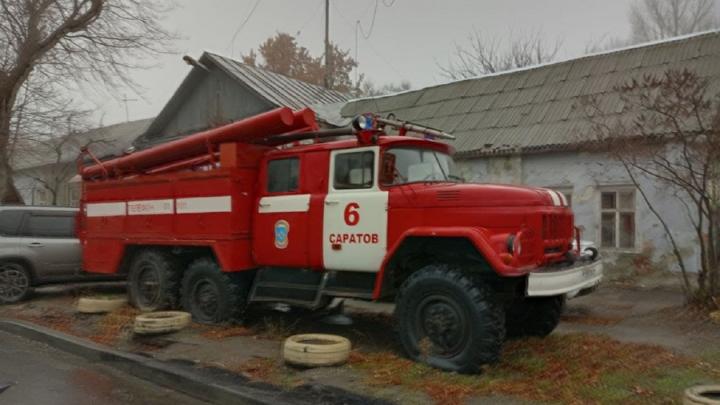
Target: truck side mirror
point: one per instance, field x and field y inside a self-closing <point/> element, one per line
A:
<point x="387" y="172"/>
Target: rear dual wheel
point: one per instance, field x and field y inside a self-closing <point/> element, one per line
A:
<point x="154" y="281"/>
<point x="213" y="296"/>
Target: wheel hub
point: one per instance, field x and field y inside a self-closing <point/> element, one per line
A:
<point x="444" y="324"/>
<point x="206" y="299"/>
<point x="149" y="283"/>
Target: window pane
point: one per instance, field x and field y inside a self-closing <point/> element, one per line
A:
<point x="627" y="230"/>
<point x="608" y="201"/>
<point x="283" y="175"/>
<point x="53" y="226"/>
<point x="607" y="230"/>
<point x="354" y="170"/>
<point x="10" y="221"/>
<point x="408" y="165"/>
<point x="627" y="200"/>
<point x="568" y="197"/>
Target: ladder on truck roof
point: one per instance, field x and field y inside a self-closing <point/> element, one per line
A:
<point x="273" y="128"/>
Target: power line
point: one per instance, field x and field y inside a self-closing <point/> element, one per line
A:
<point x="242" y="25"/>
<point x="372" y="22"/>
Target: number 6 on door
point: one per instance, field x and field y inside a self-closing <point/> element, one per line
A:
<point x="352" y="216"/>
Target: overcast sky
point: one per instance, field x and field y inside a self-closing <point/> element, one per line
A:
<point x="407" y="42"/>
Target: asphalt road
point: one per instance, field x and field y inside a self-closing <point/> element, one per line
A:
<point x="42" y="375"/>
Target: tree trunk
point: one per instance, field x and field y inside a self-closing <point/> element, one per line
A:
<point x="8" y="191"/>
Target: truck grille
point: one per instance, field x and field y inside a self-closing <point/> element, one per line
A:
<point x="556" y="226"/>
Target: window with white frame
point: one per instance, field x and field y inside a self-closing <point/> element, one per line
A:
<point x="617" y="218"/>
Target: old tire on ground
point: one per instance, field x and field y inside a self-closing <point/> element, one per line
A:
<point x="152" y="323"/>
<point x="15" y="282"/>
<point x="213" y="296"/>
<point x="100" y="304"/>
<point x="316" y="350"/>
<point x="154" y="281"/>
<point x="702" y="395"/>
<point x="715" y="317"/>
<point x="533" y="316"/>
<point x="449" y="320"/>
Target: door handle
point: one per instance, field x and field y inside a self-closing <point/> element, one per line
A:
<point x="35" y="244"/>
<point x="332" y="202"/>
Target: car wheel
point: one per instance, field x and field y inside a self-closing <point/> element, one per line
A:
<point x="154" y="281"/>
<point x="15" y="282"/>
<point x="213" y="296"/>
<point x="449" y="320"/>
<point x="533" y="316"/>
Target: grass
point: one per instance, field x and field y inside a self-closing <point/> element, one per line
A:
<point x="223" y="332"/>
<point x="570" y="369"/>
<point x="114" y="326"/>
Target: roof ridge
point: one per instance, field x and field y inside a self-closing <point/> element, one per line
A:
<point x="270" y="72"/>
<point x="649" y="44"/>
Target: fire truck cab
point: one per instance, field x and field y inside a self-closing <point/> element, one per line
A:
<point x="258" y="217"/>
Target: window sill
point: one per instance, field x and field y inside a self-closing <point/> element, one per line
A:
<point x="629" y="251"/>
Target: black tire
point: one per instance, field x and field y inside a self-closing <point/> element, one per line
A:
<point x="154" y="281"/>
<point x="213" y="296"/>
<point x="15" y="282"/>
<point x="449" y="319"/>
<point x="533" y="316"/>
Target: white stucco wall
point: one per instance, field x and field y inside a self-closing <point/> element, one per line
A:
<point x="588" y="174"/>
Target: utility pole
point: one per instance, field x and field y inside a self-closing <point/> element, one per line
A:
<point x="327" y="44"/>
<point x="125" y="100"/>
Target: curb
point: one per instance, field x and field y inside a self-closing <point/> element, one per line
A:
<point x="212" y="385"/>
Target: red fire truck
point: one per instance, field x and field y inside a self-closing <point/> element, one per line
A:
<point x="272" y="209"/>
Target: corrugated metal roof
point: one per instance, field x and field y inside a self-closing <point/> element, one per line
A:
<point x="277" y="89"/>
<point x="103" y="142"/>
<point x="535" y="108"/>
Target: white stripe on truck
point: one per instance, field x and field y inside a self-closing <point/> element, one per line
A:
<point x="201" y="205"/>
<point x="150" y="207"/>
<point x="285" y="203"/>
<point x="113" y="209"/>
<point x="194" y="205"/>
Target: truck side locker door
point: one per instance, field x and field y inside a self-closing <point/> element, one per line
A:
<point x="281" y="220"/>
<point x="48" y="239"/>
<point x="355" y="218"/>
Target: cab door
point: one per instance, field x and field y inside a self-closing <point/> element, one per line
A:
<point x="355" y="212"/>
<point x="281" y="220"/>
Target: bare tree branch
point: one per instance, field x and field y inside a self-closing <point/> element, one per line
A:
<point x="483" y="55"/>
<point x="48" y="46"/>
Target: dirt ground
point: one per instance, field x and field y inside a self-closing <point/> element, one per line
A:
<point x="628" y="344"/>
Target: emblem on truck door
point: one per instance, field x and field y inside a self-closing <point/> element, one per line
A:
<point x="282" y="231"/>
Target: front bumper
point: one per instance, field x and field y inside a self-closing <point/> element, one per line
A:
<point x="565" y="281"/>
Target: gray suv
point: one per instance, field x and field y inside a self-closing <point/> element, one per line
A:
<point x="38" y="246"/>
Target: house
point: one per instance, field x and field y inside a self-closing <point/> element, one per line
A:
<point x="525" y="127"/>
<point x="220" y="90"/>
<point x="44" y="171"/>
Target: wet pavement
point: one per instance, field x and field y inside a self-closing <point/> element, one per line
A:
<point x="40" y="375"/>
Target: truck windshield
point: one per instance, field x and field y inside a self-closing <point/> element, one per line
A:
<point x="411" y="165"/>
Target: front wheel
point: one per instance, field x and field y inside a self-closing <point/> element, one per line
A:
<point x="14" y="282"/>
<point x="449" y="320"/>
<point x="213" y="296"/>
